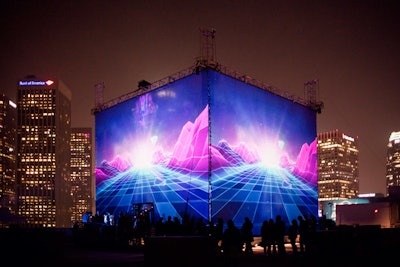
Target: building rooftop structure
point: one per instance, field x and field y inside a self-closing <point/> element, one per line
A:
<point x="207" y="60"/>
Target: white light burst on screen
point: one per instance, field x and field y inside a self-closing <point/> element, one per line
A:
<point x="142" y="154"/>
<point x="271" y="153"/>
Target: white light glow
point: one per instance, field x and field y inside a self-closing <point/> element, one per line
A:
<point x="142" y="154"/>
<point x="271" y="153"/>
<point x="12" y="104"/>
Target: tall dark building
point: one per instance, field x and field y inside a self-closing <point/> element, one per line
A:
<point x="393" y="162"/>
<point x="8" y="154"/>
<point x="82" y="180"/>
<point x="44" y="132"/>
<point x="338" y="173"/>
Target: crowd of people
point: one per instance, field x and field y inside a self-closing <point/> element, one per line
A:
<point x="300" y="231"/>
<point x="239" y="241"/>
<point x="230" y="240"/>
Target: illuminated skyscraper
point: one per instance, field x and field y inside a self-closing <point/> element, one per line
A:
<point x="393" y="161"/>
<point x="44" y="132"/>
<point x="338" y="174"/>
<point x="8" y="153"/>
<point x="82" y="180"/>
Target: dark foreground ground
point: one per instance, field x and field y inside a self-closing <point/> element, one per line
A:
<point x="90" y="257"/>
<point x="75" y="256"/>
<point x="343" y="247"/>
<point x="81" y="256"/>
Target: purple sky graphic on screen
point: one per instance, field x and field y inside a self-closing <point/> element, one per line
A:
<point x="191" y="154"/>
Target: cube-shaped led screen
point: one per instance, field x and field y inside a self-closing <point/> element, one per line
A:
<point x="207" y="146"/>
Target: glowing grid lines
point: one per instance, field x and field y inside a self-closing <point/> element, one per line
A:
<point x="171" y="190"/>
<point x="260" y="193"/>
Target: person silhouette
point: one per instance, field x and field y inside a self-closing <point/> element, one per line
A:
<point x="247" y="235"/>
<point x="292" y="235"/>
<point x="219" y="232"/>
<point x="303" y="233"/>
<point x="231" y="244"/>
<point x="280" y="231"/>
<point x="271" y="238"/>
<point x="264" y="232"/>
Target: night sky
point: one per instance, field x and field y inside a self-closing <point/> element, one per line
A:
<point x="351" y="47"/>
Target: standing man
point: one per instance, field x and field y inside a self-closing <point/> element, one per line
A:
<point x="247" y="234"/>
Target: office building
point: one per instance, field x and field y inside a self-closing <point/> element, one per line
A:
<point x="8" y="154"/>
<point x="82" y="180"/>
<point x="43" y="172"/>
<point x="338" y="166"/>
<point x="393" y="163"/>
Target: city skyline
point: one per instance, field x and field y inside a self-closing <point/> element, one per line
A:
<point x="349" y="46"/>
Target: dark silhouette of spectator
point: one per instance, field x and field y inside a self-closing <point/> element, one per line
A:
<point x="160" y="231"/>
<point x="264" y="236"/>
<point x="247" y="235"/>
<point x="169" y="226"/>
<point x="187" y="225"/>
<point x="192" y="225"/>
<point x="232" y="244"/>
<point x="141" y="227"/>
<point x="219" y="232"/>
<point x="97" y="218"/>
<point x="292" y="235"/>
<point x="125" y="229"/>
<point x="280" y="231"/>
<point x="210" y="229"/>
<point x="201" y="227"/>
<point x="303" y="232"/>
<point x="177" y="229"/>
<point x="268" y="237"/>
<point x="326" y="224"/>
<point x="312" y="231"/>
<point x="272" y="238"/>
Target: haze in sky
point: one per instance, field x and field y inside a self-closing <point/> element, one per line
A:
<point x="350" y="47"/>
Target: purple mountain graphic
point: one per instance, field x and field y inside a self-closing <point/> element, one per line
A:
<point x="306" y="164"/>
<point x="192" y="150"/>
<point x="111" y="169"/>
<point x="229" y="154"/>
<point x="249" y="156"/>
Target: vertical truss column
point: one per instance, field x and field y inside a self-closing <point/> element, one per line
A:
<point x="310" y="94"/>
<point x="99" y="95"/>
<point x="208" y="55"/>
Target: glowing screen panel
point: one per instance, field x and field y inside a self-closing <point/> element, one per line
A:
<point x="263" y="154"/>
<point x="208" y="146"/>
<point x="154" y="149"/>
